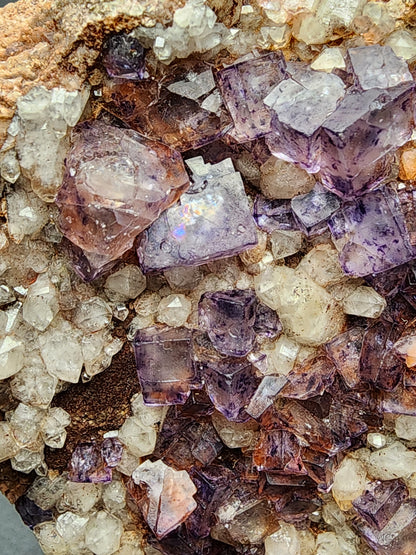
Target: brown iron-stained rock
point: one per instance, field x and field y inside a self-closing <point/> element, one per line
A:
<point x="56" y="43"/>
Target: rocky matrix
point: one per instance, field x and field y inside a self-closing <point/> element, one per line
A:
<point x="207" y="283"/>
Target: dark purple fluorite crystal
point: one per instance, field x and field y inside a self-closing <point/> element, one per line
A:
<point x="30" y="513"/>
<point x="380" y="501"/>
<point x="124" y="57"/>
<point x="228" y="317"/>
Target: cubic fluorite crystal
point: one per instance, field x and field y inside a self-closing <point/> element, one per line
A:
<point x="212" y="220"/>
<point x="243" y="87"/>
<point x="164" y="365"/>
<point x="116" y="183"/>
<point x="124" y="57"/>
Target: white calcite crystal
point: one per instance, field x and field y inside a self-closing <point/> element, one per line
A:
<point x="61" y="352"/>
<point x="183" y="278"/>
<point x="103" y="533"/>
<point x="41" y="304"/>
<point x="322" y="265"/>
<point x="33" y="385"/>
<point x="327" y="544"/>
<point x="71" y="527"/>
<point x="26" y="213"/>
<point x="393" y="461"/>
<point x="364" y="301"/>
<point x="8" y="443"/>
<point x="282" y="355"/>
<point x="285" y="243"/>
<point x="405" y="427"/>
<point x="174" y="310"/>
<point x="290" y="541"/>
<point x="125" y="284"/>
<point x="308" y="313"/>
<point x="281" y="179"/>
<point x="98" y="350"/>
<point x="50" y="541"/>
<point x="53" y="427"/>
<point x="25" y="422"/>
<point x="41" y="124"/>
<point x="329" y="59"/>
<point x="403" y="44"/>
<point x="169" y="495"/>
<point x="11" y="356"/>
<point x="349" y="482"/>
<point x="92" y="315"/>
<point x="79" y="498"/>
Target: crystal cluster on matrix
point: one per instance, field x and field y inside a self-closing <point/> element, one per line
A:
<point x="234" y="209"/>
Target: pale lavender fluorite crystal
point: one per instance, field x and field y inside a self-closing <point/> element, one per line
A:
<point x="164" y="364"/>
<point x="111" y="451"/>
<point x="212" y="220"/>
<point x="228" y="317"/>
<point x="87" y="465"/>
<point x="371" y="234"/>
<point x="243" y="87"/>
<point x="313" y="209"/>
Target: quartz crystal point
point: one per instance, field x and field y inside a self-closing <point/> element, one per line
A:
<point x="228" y="317"/>
<point x="124" y="57"/>
<point x="167" y="114"/>
<point x="380" y="501"/>
<point x="116" y="184"/>
<point x="212" y="220"/>
<point x="300" y="105"/>
<point x="370" y="234"/>
<point x="243" y="86"/>
<point x="359" y="138"/>
<point x="168" y="496"/>
<point x="164" y="364"/>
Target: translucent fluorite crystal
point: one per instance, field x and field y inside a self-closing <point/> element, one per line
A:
<point x="124" y="57"/>
<point x="372" y="232"/>
<point x="228" y="317"/>
<point x="243" y="87"/>
<point x="380" y="501"/>
<point x="164" y="365"/>
<point x="313" y="209"/>
<point x="168" y="113"/>
<point x="87" y="464"/>
<point x="301" y="104"/>
<point x="212" y="220"/>
<point x="116" y="183"/>
<point x="30" y="513"/>
<point x="168" y="496"/>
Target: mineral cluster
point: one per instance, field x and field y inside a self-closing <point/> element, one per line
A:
<point x="207" y="287"/>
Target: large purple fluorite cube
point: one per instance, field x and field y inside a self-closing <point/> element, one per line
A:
<point x="370" y="234"/>
<point x="300" y="105"/>
<point x="243" y="87"/>
<point x="164" y="364"/>
<point x="359" y="138"/>
<point x="228" y="317"/>
<point x="213" y="220"/>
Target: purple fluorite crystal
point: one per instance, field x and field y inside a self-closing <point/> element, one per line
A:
<point x="243" y="87"/>
<point x="228" y="317"/>
<point x="30" y="513"/>
<point x="212" y="220"/>
<point x="274" y="214"/>
<point x="87" y="465"/>
<point x="359" y="138"/>
<point x="300" y="105"/>
<point x="124" y="57"/>
<point x="164" y="364"/>
<point x="345" y="351"/>
<point x="111" y="451"/>
<point x="313" y="209"/>
<point x="372" y="233"/>
<point x="230" y="386"/>
<point x="377" y="66"/>
<point x="267" y="323"/>
<point x="380" y="501"/>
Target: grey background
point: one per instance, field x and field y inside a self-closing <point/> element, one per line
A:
<point x="15" y="537"/>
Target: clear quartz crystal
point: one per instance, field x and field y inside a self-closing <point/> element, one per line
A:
<point x="125" y="284"/>
<point x="174" y="310"/>
<point x="41" y="304"/>
<point x="103" y="533"/>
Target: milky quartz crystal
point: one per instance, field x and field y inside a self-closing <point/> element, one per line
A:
<point x="243" y="86"/>
<point x="142" y="178"/>
<point x="308" y="313"/>
<point x="168" y="496"/>
<point x="212" y="220"/>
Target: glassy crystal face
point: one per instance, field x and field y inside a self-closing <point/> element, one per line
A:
<point x="124" y="57"/>
<point x="212" y="220"/>
<point x="116" y="184"/>
<point x="371" y="234"/>
<point x="243" y="86"/>
<point x="164" y="365"/>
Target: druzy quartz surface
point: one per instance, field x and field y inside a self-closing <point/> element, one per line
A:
<point x="228" y="272"/>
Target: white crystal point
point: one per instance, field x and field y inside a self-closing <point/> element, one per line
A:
<point x="103" y="533"/>
<point x="41" y="304"/>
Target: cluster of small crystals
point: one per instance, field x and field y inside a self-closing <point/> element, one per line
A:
<point x="242" y="210"/>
